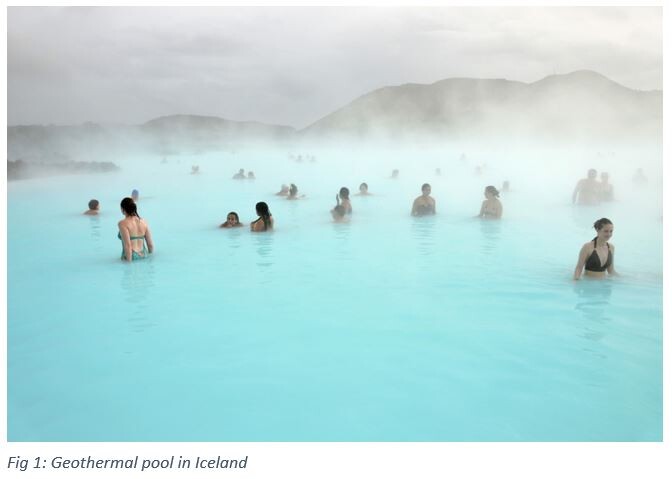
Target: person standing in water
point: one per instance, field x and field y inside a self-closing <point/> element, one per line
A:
<point x="134" y="233"/>
<point x="294" y="192"/>
<point x="597" y="256"/>
<point x="135" y="195"/>
<point x="606" y="188"/>
<point x="424" y="204"/>
<point x="284" y="190"/>
<point x="363" y="190"/>
<point x="491" y="208"/>
<point x="94" y="208"/>
<point x="344" y="196"/>
<point x="265" y="220"/>
<point x="587" y="190"/>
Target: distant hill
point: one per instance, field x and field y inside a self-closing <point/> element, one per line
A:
<point x="581" y="105"/>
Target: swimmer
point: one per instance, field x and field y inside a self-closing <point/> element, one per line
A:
<point x="265" y="220"/>
<point x="338" y="214"/>
<point x="491" y="208"/>
<point x="587" y="190"/>
<point x="395" y="174"/>
<point x="135" y="195"/>
<point x="424" y="204"/>
<point x="294" y="192"/>
<point x="284" y="190"/>
<point x="250" y="175"/>
<point x="606" y="188"/>
<point x="240" y="175"/>
<point x="437" y="172"/>
<point x="363" y="190"/>
<point x="94" y="208"/>
<point x="195" y="169"/>
<point x="344" y="196"/>
<point x="506" y="186"/>
<point x="232" y="221"/>
<point x="134" y="233"/>
<point x="597" y="256"/>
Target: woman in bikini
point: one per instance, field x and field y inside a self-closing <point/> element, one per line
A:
<point x="597" y="256"/>
<point x="491" y="208"/>
<point x="265" y="220"/>
<point x="134" y="233"/>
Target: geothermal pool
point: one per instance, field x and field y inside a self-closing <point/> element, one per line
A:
<point x="390" y="328"/>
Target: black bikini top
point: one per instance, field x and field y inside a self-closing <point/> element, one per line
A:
<point x="593" y="262"/>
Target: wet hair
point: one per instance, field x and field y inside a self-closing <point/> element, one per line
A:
<point x="493" y="190"/>
<point x="426" y="185"/>
<point x="344" y="193"/>
<point x="235" y="215"/>
<point x="93" y="204"/>
<point x="265" y="214"/>
<point x="293" y="189"/>
<point x="129" y="207"/>
<point x="135" y="193"/>
<point x="599" y="224"/>
<point x="364" y="185"/>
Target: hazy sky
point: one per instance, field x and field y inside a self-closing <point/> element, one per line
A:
<point x="293" y="65"/>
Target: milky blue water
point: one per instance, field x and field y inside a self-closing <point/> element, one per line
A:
<point x="390" y="328"/>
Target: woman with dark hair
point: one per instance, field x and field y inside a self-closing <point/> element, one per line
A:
<point x="232" y="221"/>
<point x="344" y="197"/>
<point x="491" y="208"/>
<point x="134" y="233"/>
<point x="265" y="220"/>
<point x="293" y="192"/>
<point x="597" y="256"/>
<point x="363" y="190"/>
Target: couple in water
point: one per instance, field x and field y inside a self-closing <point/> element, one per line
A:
<point x="263" y="223"/>
<point x="491" y="208"/>
<point x="589" y="192"/>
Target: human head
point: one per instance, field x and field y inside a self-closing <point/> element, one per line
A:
<point x="344" y="193"/>
<point x="293" y="189"/>
<point x="363" y="188"/>
<point x="241" y="171"/>
<point x="426" y="189"/>
<point x="491" y="191"/>
<point x="135" y="194"/>
<point x="262" y="209"/>
<point x="232" y="218"/>
<point x="94" y="204"/>
<point x="604" y="228"/>
<point x="129" y="208"/>
<point x="284" y="187"/>
<point x="395" y="173"/>
<point x="505" y="186"/>
<point x="250" y="174"/>
<point x="592" y="173"/>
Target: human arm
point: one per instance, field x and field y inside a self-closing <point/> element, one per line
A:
<point x="611" y="270"/>
<point x="149" y="240"/>
<point x="583" y="257"/>
<point x="126" y="242"/>
<point x="576" y="191"/>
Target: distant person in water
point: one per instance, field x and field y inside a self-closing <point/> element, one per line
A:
<point x="265" y="220"/>
<point x="134" y="233"/>
<point x="94" y="208"/>
<point x="395" y="174"/>
<point x="424" y="204"/>
<point x="232" y="221"/>
<point x="195" y="169"/>
<point x="505" y="186"/>
<point x="284" y="190"/>
<point x="344" y="196"/>
<point x="294" y="192"/>
<point x="639" y="178"/>
<point x="606" y="188"/>
<point x="363" y="190"/>
<point x="587" y="190"/>
<point x="240" y="175"/>
<point x="135" y="195"/>
<point x="478" y="171"/>
<point x="250" y="175"/>
<point x="597" y="256"/>
<point x="491" y="208"/>
<point x="437" y="172"/>
<point x="339" y="215"/>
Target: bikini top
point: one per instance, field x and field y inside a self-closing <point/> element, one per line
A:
<point x="593" y="262"/>
<point x="132" y="237"/>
